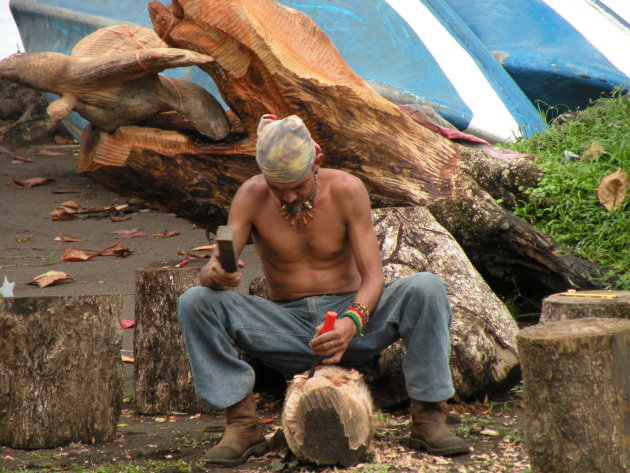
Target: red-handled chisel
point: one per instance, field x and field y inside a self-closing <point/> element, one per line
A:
<point x="329" y="324"/>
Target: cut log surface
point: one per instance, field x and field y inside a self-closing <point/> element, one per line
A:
<point x="327" y="419"/>
<point x="162" y="378"/>
<point x="581" y="304"/>
<point x="61" y="375"/>
<point x="576" y="375"/>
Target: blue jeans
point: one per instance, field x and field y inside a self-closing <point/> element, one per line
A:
<point x="213" y="323"/>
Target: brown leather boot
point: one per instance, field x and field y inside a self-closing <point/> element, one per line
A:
<point x="429" y="431"/>
<point x="242" y="438"/>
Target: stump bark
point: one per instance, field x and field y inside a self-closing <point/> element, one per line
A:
<point x="162" y="378"/>
<point x="327" y="419"/>
<point x="581" y="304"/>
<point x="61" y="375"/>
<point x="577" y="392"/>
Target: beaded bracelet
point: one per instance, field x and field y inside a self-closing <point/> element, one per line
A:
<point x="356" y="317"/>
<point x="365" y="313"/>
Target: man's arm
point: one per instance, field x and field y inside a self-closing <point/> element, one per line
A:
<point x="365" y="248"/>
<point x="355" y="203"/>
<point x="239" y="218"/>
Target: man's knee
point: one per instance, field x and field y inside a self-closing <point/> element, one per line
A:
<point x="427" y="283"/>
<point x="192" y="301"/>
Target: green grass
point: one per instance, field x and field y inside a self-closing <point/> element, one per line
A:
<point x="564" y="205"/>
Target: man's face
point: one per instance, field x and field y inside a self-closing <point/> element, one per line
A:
<point x="292" y="194"/>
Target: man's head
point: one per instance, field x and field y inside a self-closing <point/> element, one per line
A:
<point x="285" y="151"/>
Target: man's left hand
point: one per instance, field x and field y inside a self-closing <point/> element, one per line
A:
<point x="333" y="344"/>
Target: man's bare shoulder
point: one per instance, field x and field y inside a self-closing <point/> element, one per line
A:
<point x="254" y="186"/>
<point x="340" y="178"/>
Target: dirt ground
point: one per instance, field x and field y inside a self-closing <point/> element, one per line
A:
<point x="174" y="442"/>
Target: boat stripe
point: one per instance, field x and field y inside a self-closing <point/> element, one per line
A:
<point x="489" y="111"/>
<point x="620" y="7"/>
<point x="601" y="29"/>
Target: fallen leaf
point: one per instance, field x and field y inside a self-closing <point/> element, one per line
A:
<point x="127" y="323"/>
<point x="74" y="254"/>
<point x="129" y="233"/>
<point x="203" y="248"/>
<point x="127" y="359"/>
<point x="16" y="158"/>
<point x="117" y="249"/>
<point x="61" y="214"/>
<point x="114" y="218"/>
<point x="593" y="151"/>
<point x="67" y="238"/>
<point x="49" y="278"/>
<point x="166" y="234"/>
<point x="45" y="152"/>
<point x="612" y="190"/>
<point x="71" y="206"/>
<point x="22" y="240"/>
<point x="198" y="255"/>
<point x="32" y="182"/>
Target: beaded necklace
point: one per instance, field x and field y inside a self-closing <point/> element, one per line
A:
<point x="299" y="213"/>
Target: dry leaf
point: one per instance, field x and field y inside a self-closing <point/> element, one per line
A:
<point x="203" y="248"/>
<point x="46" y="152"/>
<point x="198" y="255"/>
<point x="32" y="182"/>
<point x="117" y="249"/>
<point x="113" y="218"/>
<point x="129" y="233"/>
<point x="166" y="234"/>
<point x="612" y="190"/>
<point x="71" y="206"/>
<point x="61" y="214"/>
<point x="593" y="151"/>
<point x="67" y="238"/>
<point x="51" y="277"/>
<point x="74" y="254"/>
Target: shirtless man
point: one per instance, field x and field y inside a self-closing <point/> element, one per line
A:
<point x="312" y="229"/>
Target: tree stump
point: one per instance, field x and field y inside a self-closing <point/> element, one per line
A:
<point x="327" y="419"/>
<point x="61" y="376"/>
<point x="162" y="378"/>
<point x="581" y="304"/>
<point x="576" y="375"/>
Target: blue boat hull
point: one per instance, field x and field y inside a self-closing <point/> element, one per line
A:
<point x="561" y="55"/>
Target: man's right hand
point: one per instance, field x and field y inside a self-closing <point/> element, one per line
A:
<point x="214" y="276"/>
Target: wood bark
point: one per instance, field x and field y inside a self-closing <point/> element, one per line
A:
<point x="327" y="419"/>
<point x="582" y="304"/>
<point x="483" y="332"/>
<point x="577" y="393"/>
<point x="162" y="377"/>
<point x="61" y="375"/>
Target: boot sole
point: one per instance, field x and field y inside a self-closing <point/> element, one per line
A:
<point x="255" y="450"/>
<point x="444" y="452"/>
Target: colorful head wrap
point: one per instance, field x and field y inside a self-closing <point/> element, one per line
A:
<point x="285" y="151"/>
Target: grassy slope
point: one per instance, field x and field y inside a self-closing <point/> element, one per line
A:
<point x="565" y="203"/>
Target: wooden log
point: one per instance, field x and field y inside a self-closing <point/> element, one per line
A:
<point x="483" y="333"/>
<point x="162" y="377"/>
<point x="576" y="375"/>
<point x="61" y="375"/>
<point x="581" y="304"/>
<point x="327" y="419"/>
